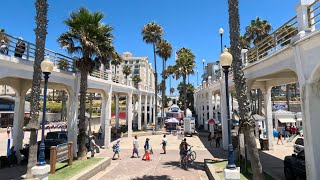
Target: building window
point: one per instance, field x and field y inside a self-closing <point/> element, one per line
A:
<point x="125" y="62"/>
<point x="136" y="66"/>
<point x="117" y="72"/>
<point x="131" y="62"/>
<point x="118" y="66"/>
<point x="136" y="71"/>
<point x="137" y="61"/>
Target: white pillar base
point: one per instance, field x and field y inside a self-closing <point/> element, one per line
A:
<point x="232" y="174"/>
<point x="41" y="172"/>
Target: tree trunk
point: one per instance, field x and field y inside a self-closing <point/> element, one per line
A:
<point x="82" y="153"/>
<point x="90" y="118"/>
<point x="287" y="97"/>
<point x="155" y="87"/>
<point x="185" y="95"/>
<point x="53" y="94"/>
<point x="41" y="33"/>
<point x="246" y="122"/>
<point x="63" y="106"/>
<point x="163" y="91"/>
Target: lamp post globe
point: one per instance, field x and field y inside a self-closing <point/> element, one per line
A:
<point x="225" y="62"/>
<point x="221" y="31"/>
<point x="46" y="68"/>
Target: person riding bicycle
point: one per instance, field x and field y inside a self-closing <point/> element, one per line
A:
<point x="183" y="149"/>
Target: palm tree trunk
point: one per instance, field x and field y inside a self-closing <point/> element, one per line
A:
<point x="41" y="32"/>
<point x="185" y="95"/>
<point x="82" y="153"/>
<point x="64" y="106"/>
<point x="246" y="123"/>
<point x="155" y="86"/>
<point x="259" y="102"/>
<point x="163" y="91"/>
<point x="287" y="96"/>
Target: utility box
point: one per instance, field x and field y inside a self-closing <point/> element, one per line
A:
<point x="189" y="125"/>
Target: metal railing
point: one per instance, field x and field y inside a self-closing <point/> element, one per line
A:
<point x="25" y="50"/>
<point x="274" y="41"/>
<point x="314" y="14"/>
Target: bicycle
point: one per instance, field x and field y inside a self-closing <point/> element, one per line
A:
<point x="189" y="158"/>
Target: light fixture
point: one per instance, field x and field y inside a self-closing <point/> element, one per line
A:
<point x="225" y="59"/>
<point x="221" y="31"/>
<point x="47" y="65"/>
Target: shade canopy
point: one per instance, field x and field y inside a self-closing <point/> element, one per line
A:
<point x="213" y="121"/>
<point x="286" y="120"/>
<point x="258" y="117"/>
<point x="172" y="120"/>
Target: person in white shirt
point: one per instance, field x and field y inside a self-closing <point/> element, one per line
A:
<point x="164" y="144"/>
<point x="135" y="147"/>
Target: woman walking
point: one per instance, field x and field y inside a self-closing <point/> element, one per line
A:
<point x="146" y="148"/>
<point x="116" y="150"/>
<point x="164" y="144"/>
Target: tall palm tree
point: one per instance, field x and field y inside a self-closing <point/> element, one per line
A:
<point x="152" y="34"/>
<point x="186" y="63"/>
<point x="164" y="50"/>
<point x="258" y="30"/>
<point x="63" y="64"/>
<point x="126" y="70"/>
<point x="247" y="123"/>
<point x="33" y="125"/>
<point x="116" y="60"/>
<point x="90" y="38"/>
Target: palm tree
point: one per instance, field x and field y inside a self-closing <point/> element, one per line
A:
<point x="186" y="63"/>
<point x="126" y="70"/>
<point x="136" y="79"/>
<point x="171" y="90"/>
<point x="164" y="50"/>
<point x="33" y="125"/>
<point x="90" y="38"/>
<point x="63" y="64"/>
<point x="257" y="30"/>
<point x="116" y="60"/>
<point x="247" y="123"/>
<point x="152" y="34"/>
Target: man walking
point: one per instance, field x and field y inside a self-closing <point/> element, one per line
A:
<point x="135" y="147"/>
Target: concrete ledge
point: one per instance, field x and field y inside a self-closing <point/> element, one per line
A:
<point x="143" y="133"/>
<point x="93" y="170"/>
<point x="210" y="170"/>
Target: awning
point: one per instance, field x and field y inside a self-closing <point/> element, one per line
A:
<point x="299" y="119"/>
<point x="258" y="117"/>
<point x="286" y="120"/>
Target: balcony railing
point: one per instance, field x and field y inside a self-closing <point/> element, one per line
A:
<point x="314" y="14"/>
<point x="25" y="50"/>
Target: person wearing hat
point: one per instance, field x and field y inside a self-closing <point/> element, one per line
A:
<point x="20" y="48"/>
<point x="116" y="150"/>
<point x="146" y="148"/>
<point x="4" y="48"/>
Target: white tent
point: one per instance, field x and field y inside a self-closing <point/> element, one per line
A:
<point x="284" y="117"/>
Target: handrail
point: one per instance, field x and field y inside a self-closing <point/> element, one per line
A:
<point x="26" y="51"/>
<point x="274" y="41"/>
<point x="314" y="13"/>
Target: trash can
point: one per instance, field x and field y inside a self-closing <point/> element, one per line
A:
<point x="264" y="144"/>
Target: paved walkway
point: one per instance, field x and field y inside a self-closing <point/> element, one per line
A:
<point x="162" y="166"/>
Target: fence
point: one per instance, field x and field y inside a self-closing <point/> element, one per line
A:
<point x="314" y="14"/>
<point x="60" y="153"/>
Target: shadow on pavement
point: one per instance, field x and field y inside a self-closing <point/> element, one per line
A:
<point x="162" y="177"/>
<point x="272" y="165"/>
<point x="215" y="152"/>
<point x="13" y="172"/>
<point x="195" y="165"/>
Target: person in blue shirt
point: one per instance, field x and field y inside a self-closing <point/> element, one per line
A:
<point x="146" y="148"/>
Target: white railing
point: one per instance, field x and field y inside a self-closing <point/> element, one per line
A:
<point x="25" y="50"/>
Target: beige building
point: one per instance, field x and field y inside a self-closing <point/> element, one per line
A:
<point x="139" y="66"/>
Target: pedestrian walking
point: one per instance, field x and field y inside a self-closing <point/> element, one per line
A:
<point x="279" y="138"/>
<point x="100" y="133"/>
<point x="164" y="144"/>
<point x="93" y="146"/>
<point x="260" y="131"/>
<point x="4" y="48"/>
<point x="218" y="140"/>
<point x="135" y="147"/>
<point x="116" y="150"/>
<point x="210" y="138"/>
<point x="20" y="48"/>
<point x="146" y="148"/>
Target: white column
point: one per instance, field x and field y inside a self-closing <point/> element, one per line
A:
<point x="139" y="112"/>
<point x="145" y="121"/>
<point x="150" y="110"/>
<point x="129" y="112"/>
<point x="224" y="122"/>
<point x="18" y="120"/>
<point x="155" y="116"/>
<point x="310" y="114"/>
<point x="201" y="109"/>
<point x="117" y="109"/>
<point x="216" y="106"/>
<point x="205" y="120"/>
<point x="210" y="105"/>
<point x="303" y="16"/>
<point x="104" y="100"/>
<point x="107" y="135"/>
<point x="268" y="115"/>
<point x="72" y="110"/>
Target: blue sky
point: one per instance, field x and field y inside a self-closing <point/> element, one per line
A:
<point x="186" y="23"/>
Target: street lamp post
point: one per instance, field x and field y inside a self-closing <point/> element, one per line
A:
<point x="203" y="64"/>
<point x="225" y="62"/>
<point x="46" y="68"/>
<point x="197" y="77"/>
<point x="221" y="31"/>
